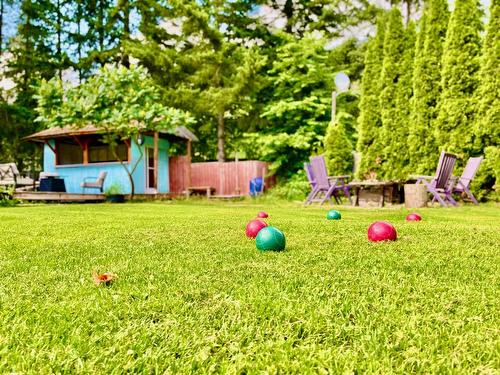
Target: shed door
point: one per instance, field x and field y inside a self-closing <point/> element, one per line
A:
<point x="150" y="170"/>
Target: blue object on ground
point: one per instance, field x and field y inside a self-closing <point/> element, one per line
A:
<point x="256" y="186"/>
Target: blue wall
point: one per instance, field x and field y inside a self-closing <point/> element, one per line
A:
<point x="74" y="174"/>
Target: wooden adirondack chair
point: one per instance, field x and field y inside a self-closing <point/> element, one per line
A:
<point x="440" y="185"/>
<point x="465" y="179"/>
<point x="325" y="185"/>
<point x="310" y="178"/>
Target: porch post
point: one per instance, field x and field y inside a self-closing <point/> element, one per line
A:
<point x="155" y="155"/>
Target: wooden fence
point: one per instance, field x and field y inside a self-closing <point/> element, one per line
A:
<point x="228" y="178"/>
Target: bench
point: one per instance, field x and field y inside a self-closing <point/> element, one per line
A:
<point x="208" y="190"/>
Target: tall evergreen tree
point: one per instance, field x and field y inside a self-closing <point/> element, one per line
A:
<point x="392" y="138"/>
<point x="397" y="162"/>
<point x="370" y="121"/>
<point x="454" y="124"/>
<point x="338" y="149"/>
<point x="427" y="86"/>
<point x="487" y="124"/>
<point x="486" y="136"/>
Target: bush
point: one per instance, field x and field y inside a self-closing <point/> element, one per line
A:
<point x="295" y="188"/>
<point x="338" y="150"/>
<point x="486" y="185"/>
<point x="7" y="198"/>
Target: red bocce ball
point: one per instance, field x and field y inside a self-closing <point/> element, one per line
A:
<point x="262" y="215"/>
<point x="253" y="228"/>
<point x="413" y="217"/>
<point x="382" y="231"/>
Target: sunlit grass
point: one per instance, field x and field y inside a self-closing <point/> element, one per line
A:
<point x="194" y="295"/>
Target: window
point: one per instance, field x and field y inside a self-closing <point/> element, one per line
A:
<point x="68" y="152"/>
<point x="100" y="152"/>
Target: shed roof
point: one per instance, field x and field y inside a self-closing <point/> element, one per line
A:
<point x="180" y="132"/>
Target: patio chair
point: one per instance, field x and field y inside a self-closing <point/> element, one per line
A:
<point x="325" y="185"/>
<point x="310" y="178"/>
<point x="440" y="185"/>
<point x="98" y="182"/>
<point x="10" y="176"/>
<point x="463" y="184"/>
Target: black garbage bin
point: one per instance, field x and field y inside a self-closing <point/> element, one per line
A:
<point x="53" y="184"/>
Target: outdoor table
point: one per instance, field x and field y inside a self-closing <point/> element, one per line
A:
<point x="380" y="185"/>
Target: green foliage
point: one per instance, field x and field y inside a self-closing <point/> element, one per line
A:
<point x="487" y="120"/>
<point x="331" y="17"/>
<point x="460" y="66"/>
<point x="299" y="111"/>
<point x="114" y="189"/>
<point x="286" y="152"/>
<point x="486" y="184"/>
<point x="193" y="295"/>
<point x="369" y="120"/>
<point x="121" y="102"/>
<point x="7" y="197"/>
<point x="393" y="134"/>
<point x="203" y="69"/>
<point x="294" y="188"/>
<point x="427" y="86"/>
<point x="338" y="149"/>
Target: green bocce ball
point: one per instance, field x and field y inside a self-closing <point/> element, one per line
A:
<point x="333" y="215"/>
<point x="270" y="239"/>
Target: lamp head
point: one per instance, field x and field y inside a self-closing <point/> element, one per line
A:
<point x="342" y="82"/>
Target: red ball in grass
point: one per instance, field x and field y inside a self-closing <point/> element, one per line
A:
<point x="253" y="228"/>
<point x="262" y="215"/>
<point x="413" y="217"/>
<point x="382" y="231"/>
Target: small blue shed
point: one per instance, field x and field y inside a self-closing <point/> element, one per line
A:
<point x="79" y="154"/>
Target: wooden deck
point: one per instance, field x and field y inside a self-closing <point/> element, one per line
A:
<point x="69" y="197"/>
<point x="58" y="197"/>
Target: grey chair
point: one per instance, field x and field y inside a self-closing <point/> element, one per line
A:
<point x="10" y="176"/>
<point x="94" y="182"/>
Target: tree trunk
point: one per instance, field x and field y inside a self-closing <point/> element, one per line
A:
<point x="408" y="12"/>
<point x="220" y="137"/>
<point x="1" y="26"/>
<point x="59" y="32"/>
<point x="126" y="32"/>
<point x="129" y="173"/>
<point x="101" y="31"/>
<point x="79" y="41"/>
<point x="288" y="11"/>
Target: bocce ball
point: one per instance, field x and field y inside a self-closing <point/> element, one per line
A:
<point x="413" y="217"/>
<point x="262" y="215"/>
<point x="382" y="231"/>
<point x="333" y="215"/>
<point x="270" y="238"/>
<point x="253" y="228"/>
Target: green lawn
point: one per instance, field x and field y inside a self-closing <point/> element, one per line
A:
<point x="194" y="295"/>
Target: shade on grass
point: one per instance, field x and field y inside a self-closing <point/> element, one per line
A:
<point x="193" y="294"/>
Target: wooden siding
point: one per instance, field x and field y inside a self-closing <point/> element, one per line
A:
<point x="178" y="169"/>
<point x="228" y="178"/>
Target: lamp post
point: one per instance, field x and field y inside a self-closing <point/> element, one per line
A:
<point x="342" y="83"/>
